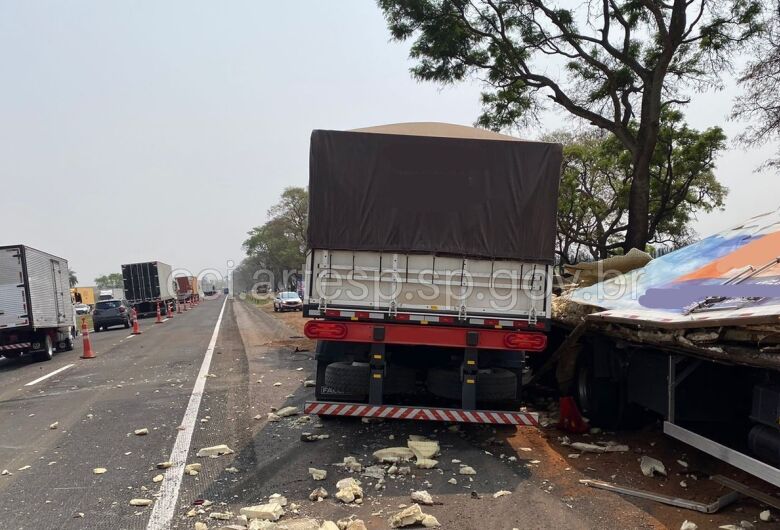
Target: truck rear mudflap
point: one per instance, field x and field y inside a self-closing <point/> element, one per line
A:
<point x="394" y="412"/>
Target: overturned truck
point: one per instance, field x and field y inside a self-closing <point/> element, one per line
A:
<point x="694" y="337"/>
<point x="429" y="270"/>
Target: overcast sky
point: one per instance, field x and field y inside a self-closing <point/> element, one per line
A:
<point x="135" y="131"/>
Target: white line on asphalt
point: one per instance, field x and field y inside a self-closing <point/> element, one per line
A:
<point x="55" y="372"/>
<point x="129" y="337"/>
<point x="163" y="510"/>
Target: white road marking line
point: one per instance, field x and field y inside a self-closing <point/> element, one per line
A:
<point x="55" y="372"/>
<point x="129" y="337"/>
<point x="164" y="508"/>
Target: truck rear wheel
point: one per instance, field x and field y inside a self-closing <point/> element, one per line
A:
<point x="48" y="351"/>
<point x="352" y="379"/>
<point x="495" y="384"/>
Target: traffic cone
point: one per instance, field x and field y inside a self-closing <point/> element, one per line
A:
<point x="170" y="312"/>
<point x="136" y="328"/>
<point x="159" y="316"/>
<point x="570" y="418"/>
<point x="88" y="353"/>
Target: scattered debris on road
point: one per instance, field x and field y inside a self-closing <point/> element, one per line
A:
<point x="318" y="474"/>
<point x="158" y="478"/>
<point x="164" y="465"/>
<point x="349" y="490"/>
<point x="422" y="497"/>
<point x="54" y="425"/>
<point x="288" y="411"/>
<point x="214" y="451"/>
<point x="192" y="469"/>
<point x="141" y="432"/>
<point x="650" y="466"/>
<point x="501" y="493"/>
<point x="99" y="470"/>
<point x="412" y="515"/>
<point x="140" y="502"/>
<point x="319" y="494"/>
<point x="271" y="511"/>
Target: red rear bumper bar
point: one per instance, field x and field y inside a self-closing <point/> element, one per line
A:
<point x="423" y="335"/>
<point x="392" y="412"/>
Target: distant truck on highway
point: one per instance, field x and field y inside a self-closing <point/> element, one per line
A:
<point x="187" y="289"/>
<point x="146" y="284"/>
<point x="429" y="270"/>
<point x="36" y="313"/>
<point x="83" y="295"/>
<point x="114" y="293"/>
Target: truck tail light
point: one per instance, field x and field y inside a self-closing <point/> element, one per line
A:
<point x="324" y="330"/>
<point x="525" y="341"/>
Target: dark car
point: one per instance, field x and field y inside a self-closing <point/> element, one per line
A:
<point x="111" y="313"/>
<point x="288" y="301"/>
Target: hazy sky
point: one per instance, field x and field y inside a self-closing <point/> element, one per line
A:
<point x="134" y="131"/>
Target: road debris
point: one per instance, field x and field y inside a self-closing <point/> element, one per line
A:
<point x="329" y="525"/>
<point x="311" y="437"/>
<point x="376" y="472"/>
<point x="140" y="502"/>
<point x="349" y="490"/>
<point x="309" y="383"/>
<point x="351" y="464"/>
<point x="650" y="466"/>
<point x="467" y="470"/>
<point x="164" y="465"/>
<point x="99" y="470"/>
<point x="201" y="526"/>
<point x="277" y="384"/>
<point x="288" y="411"/>
<point x="216" y="450"/>
<point x="221" y="516"/>
<point x="422" y="497"/>
<point x="318" y="474"/>
<point x="5" y="472"/>
<point x="423" y="449"/>
<point x="688" y="525"/>
<point x="54" y="425"/>
<point x="141" y="432"/>
<point x="501" y="493"/>
<point x="158" y="478"/>
<point x="594" y="448"/>
<point x="23" y="468"/>
<point x="273" y="417"/>
<point x="271" y="511"/>
<point x="765" y="516"/>
<point x="231" y="470"/>
<point x="192" y="469"/>
<point x="453" y="480"/>
<point x="392" y="455"/>
<point x="318" y="494"/>
<point x="426" y="463"/>
<point x="412" y="515"/>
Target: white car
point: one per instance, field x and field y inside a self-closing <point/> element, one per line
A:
<point x="288" y="301"/>
<point x="82" y="309"/>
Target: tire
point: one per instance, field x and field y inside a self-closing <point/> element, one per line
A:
<point x="352" y="379"/>
<point x="601" y="399"/>
<point x="495" y="384"/>
<point x="47" y="353"/>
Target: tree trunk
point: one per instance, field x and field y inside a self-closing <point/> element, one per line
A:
<point x="639" y="203"/>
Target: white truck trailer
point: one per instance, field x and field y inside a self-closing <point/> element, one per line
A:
<point x="36" y="313"/>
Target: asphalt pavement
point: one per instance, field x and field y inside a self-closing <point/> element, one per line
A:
<point x="57" y="430"/>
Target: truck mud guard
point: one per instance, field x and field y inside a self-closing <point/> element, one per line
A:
<point x="393" y="412"/>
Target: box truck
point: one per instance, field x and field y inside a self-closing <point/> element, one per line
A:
<point x="113" y="293"/>
<point x="147" y="284"/>
<point x="429" y="270"/>
<point x="36" y="313"/>
<point x="83" y="295"/>
<point x="187" y="289"/>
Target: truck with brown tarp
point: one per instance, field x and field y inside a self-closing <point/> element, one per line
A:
<point x="187" y="289"/>
<point x="429" y="270"/>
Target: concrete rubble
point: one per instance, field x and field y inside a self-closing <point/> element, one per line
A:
<point x="375" y="472"/>
<point x="423" y="449"/>
<point x="192" y="469"/>
<point x="272" y="511"/>
<point x="164" y="465"/>
<point x="273" y="417"/>
<point x="261" y="524"/>
<point x="318" y="474"/>
<point x="501" y="493"/>
<point x="412" y="515"/>
<point x="158" y="478"/>
<point x="201" y="526"/>
<point x="54" y="425"/>
<point x="288" y="411"/>
<point x="392" y="455"/>
<point x="99" y="470"/>
<point x="351" y="464"/>
<point x="299" y="524"/>
<point x="311" y="437"/>
<point x="765" y="516"/>
<point x="318" y="494"/>
<point x="221" y="516"/>
<point x="329" y="525"/>
<point x="141" y="432"/>
<point x="688" y="525"/>
<point x="426" y="463"/>
<point x="216" y="450"/>
<point x="466" y="470"/>
<point x="422" y="497"/>
<point x="349" y="490"/>
<point x="140" y="502"/>
<point x="650" y="466"/>
<point x="309" y="383"/>
<point x="594" y="448"/>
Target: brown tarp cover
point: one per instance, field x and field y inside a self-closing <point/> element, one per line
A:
<point x="488" y="198"/>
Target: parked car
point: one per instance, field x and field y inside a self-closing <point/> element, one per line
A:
<point x="288" y="301"/>
<point x="111" y="313"/>
<point x="82" y="309"/>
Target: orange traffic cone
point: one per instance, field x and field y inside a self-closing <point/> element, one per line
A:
<point x="570" y="418"/>
<point x="88" y="353"/>
<point x="159" y="315"/>
<point x="136" y="328"/>
<point x="170" y="312"/>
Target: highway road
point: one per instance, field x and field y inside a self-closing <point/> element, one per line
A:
<point x="211" y="376"/>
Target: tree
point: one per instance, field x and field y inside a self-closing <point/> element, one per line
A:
<point x="621" y="63"/>
<point x="109" y="281"/>
<point x="760" y="105"/>
<point x="72" y="279"/>
<point x="279" y="245"/>
<point x="596" y="180"/>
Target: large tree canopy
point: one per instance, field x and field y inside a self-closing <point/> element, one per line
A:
<point x="279" y="245"/>
<point x="760" y="105"/>
<point x="593" y="199"/>
<point x="617" y="64"/>
<point x="108" y="281"/>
